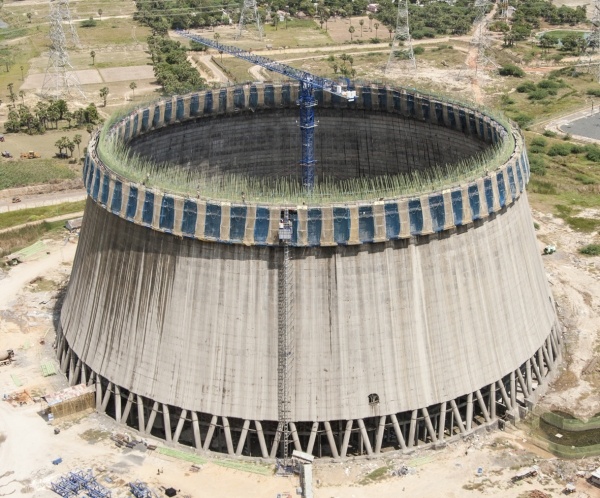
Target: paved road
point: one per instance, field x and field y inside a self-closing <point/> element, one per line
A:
<point x="39" y="200"/>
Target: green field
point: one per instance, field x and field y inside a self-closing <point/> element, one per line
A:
<point x="33" y="172"/>
<point x="14" y="218"/>
<point x="16" y="240"/>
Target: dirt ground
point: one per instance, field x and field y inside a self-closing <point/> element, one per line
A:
<point x="28" y="295"/>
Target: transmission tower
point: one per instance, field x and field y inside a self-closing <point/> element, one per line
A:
<point x="594" y="39"/>
<point x="481" y="38"/>
<point x="60" y="79"/>
<point x="402" y="39"/>
<point x="248" y="17"/>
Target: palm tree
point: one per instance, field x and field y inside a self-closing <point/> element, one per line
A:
<point x="362" y="23"/>
<point x="22" y="95"/>
<point x="93" y="56"/>
<point x="133" y="86"/>
<point x="351" y="31"/>
<point x="100" y="13"/>
<point x="77" y="141"/>
<point x="104" y="94"/>
<point x="376" y="28"/>
<point x="29" y="16"/>
<point x="391" y="31"/>
<point x="370" y="16"/>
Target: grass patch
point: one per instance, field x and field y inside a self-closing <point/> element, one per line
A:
<point x="33" y="172"/>
<point x="41" y="284"/>
<point x="16" y="240"/>
<point x="590" y="250"/>
<point x="540" y="187"/>
<point x="14" y="218"/>
<point x="583" y="224"/>
<point x="376" y="475"/>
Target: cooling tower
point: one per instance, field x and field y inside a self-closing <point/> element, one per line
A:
<point x="385" y="322"/>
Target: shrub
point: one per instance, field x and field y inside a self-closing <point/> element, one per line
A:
<point x="586" y="180"/>
<point x="594" y="92"/>
<point x="538" y="94"/>
<point x="554" y="84"/>
<point x="577" y="149"/>
<point x="418" y="50"/>
<point x="526" y="87"/>
<point x="523" y="120"/>
<point x="511" y="70"/>
<point x="593" y="153"/>
<point x="545" y="188"/>
<point x="590" y="250"/>
<point x="536" y="226"/>
<point x="537" y="165"/>
<point x="539" y="141"/>
<point x="89" y="23"/>
<point x="549" y="133"/>
<point x="559" y="150"/>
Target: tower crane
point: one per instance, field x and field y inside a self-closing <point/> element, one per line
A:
<point x="306" y="100"/>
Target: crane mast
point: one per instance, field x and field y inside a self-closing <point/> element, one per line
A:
<point x="306" y="100"/>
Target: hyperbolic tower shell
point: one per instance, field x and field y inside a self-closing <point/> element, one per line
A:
<point x="416" y="318"/>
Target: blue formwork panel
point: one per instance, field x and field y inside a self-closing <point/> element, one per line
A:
<point x="415" y="216"/>
<point x="194" y="104"/>
<point x="145" y="119"/>
<point x="156" y="117"/>
<point x="382" y="98"/>
<point x="136" y="120"/>
<point x="366" y="97"/>
<point x="425" y="109"/>
<point x="472" y="124"/>
<point x="494" y="135"/>
<point x="318" y="94"/>
<point x="439" y="113"/>
<point x="474" y="202"/>
<point x="239" y="98"/>
<point x="127" y="130"/>
<point x="489" y="194"/>
<point x="115" y="205"/>
<point x="261" y="225"/>
<point x="525" y="163"/>
<point x="168" y="111"/>
<point x="212" y="224"/>
<point x="237" y="224"/>
<point x="519" y="176"/>
<point x="489" y="132"/>
<point x="222" y="100"/>
<point x="392" y="220"/>
<point x="105" y="186"/>
<point x="410" y="104"/>
<point x="90" y="176"/>
<point x="253" y="97"/>
<point x="189" y="218"/>
<point x="131" y="203"/>
<point x="397" y="98"/>
<point x="314" y="226"/>
<point x="96" y="188"/>
<point x="286" y="94"/>
<point x="293" y="217"/>
<point x="481" y="129"/>
<point x="501" y="189"/>
<point x="148" y="208"/>
<point x="269" y="95"/>
<point x="438" y="213"/>
<point x="462" y="117"/>
<point x="180" y="111"/>
<point x="457" y="207"/>
<point x="511" y="181"/>
<point x="208" y="103"/>
<point x="451" y="116"/>
<point x="341" y="225"/>
<point x="366" y="224"/>
<point x="167" y="214"/>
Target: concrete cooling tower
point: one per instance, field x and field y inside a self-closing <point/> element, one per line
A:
<point x="348" y="323"/>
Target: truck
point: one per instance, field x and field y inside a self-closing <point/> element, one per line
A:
<point x="30" y="155"/>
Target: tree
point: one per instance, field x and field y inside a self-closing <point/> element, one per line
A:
<point x="11" y="93"/>
<point x="100" y="14"/>
<point x="77" y="141"/>
<point x="22" y="77"/>
<point x="370" y="16"/>
<point x="362" y="23"/>
<point x="93" y="56"/>
<point x="104" y="94"/>
<point x="69" y="116"/>
<point x="351" y="31"/>
<point x="376" y="28"/>
<point x="275" y="21"/>
<point x="22" y="95"/>
<point x="391" y="31"/>
<point x="547" y="41"/>
<point x="133" y="86"/>
<point x="29" y="16"/>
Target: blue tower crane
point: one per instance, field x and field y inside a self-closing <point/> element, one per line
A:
<point x="306" y="100"/>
